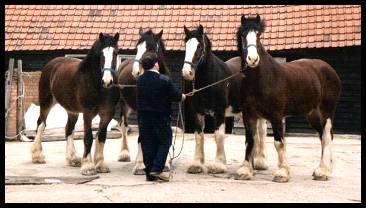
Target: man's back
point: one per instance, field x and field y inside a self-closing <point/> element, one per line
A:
<point x="155" y="92"/>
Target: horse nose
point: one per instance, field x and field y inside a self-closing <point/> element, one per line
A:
<point x="252" y="58"/>
<point x="106" y="84"/>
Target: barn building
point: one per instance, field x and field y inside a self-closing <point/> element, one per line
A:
<point x="36" y="34"/>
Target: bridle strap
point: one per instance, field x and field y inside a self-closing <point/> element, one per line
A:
<point x="246" y="48"/>
<point x="109" y="69"/>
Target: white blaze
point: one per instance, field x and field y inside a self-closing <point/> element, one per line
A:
<point x="141" y="49"/>
<point x="252" y="55"/>
<point x="191" y="47"/>
<point x="108" y="58"/>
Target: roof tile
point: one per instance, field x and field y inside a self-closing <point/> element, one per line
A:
<point x="72" y="27"/>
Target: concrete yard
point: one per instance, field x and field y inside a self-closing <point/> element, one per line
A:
<point x="121" y="186"/>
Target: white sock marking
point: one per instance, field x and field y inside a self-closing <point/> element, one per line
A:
<point x="327" y="145"/>
<point x="220" y="139"/>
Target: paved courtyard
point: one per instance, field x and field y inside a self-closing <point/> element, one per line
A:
<point x="121" y="186"/>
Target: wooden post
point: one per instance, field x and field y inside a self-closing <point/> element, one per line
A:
<point x="20" y="112"/>
<point x="9" y="82"/>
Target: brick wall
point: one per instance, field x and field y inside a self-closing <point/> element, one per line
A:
<point x="30" y="80"/>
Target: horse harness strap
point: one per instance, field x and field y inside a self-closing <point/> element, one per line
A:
<point x="109" y="69"/>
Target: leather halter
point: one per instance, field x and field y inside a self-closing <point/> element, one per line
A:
<point x="246" y="49"/>
<point x="108" y="69"/>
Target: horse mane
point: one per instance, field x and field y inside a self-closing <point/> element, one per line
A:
<point x="195" y="33"/>
<point x="90" y="58"/>
<point x="148" y="36"/>
<point x="163" y="67"/>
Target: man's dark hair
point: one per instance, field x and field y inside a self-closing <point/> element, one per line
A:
<point x="148" y="60"/>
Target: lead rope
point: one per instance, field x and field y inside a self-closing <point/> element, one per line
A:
<point x="122" y="86"/>
<point x="172" y="157"/>
<point x="212" y="84"/>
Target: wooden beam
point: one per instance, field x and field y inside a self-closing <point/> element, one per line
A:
<point x="20" y="110"/>
<point x="9" y="82"/>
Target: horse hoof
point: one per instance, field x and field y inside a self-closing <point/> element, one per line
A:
<point x="74" y="162"/>
<point x="196" y="168"/>
<point x="281" y="176"/>
<point x="102" y="168"/>
<point x="124" y="156"/>
<point x="88" y="169"/>
<point x="38" y="157"/>
<point x="260" y="163"/>
<point x="217" y="168"/>
<point x="139" y="169"/>
<point x="244" y="173"/>
<point x="321" y="174"/>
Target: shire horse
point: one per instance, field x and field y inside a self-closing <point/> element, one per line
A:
<point x="270" y="90"/>
<point x="203" y="67"/>
<point x="129" y="70"/>
<point x="81" y="86"/>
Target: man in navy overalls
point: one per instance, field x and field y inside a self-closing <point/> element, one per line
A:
<point x="155" y="92"/>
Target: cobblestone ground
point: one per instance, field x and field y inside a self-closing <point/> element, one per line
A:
<point x="121" y="186"/>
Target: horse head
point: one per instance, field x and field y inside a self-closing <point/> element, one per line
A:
<point x="197" y="47"/>
<point x="248" y="37"/>
<point x="149" y="42"/>
<point x="106" y="47"/>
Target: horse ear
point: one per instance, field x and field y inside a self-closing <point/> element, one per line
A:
<point x="116" y="37"/>
<point x="243" y="19"/>
<point x="258" y="19"/>
<point x="141" y="31"/>
<point x="186" y="31"/>
<point x="200" y="29"/>
<point x="101" y="36"/>
<point x="158" y="36"/>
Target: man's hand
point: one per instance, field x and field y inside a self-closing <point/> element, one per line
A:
<point x="183" y="97"/>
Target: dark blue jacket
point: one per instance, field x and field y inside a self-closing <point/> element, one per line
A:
<point x="155" y="93"/>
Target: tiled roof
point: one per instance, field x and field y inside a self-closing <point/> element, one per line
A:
<point x="50" y="27"/>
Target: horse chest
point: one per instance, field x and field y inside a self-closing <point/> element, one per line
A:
<point x="209" y="102"/>
<point x="90" y="97"/>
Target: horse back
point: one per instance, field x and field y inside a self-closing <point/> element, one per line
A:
<point x="315" y="80"/>
<point x="58" y="80"/>
<point x="310" y="70"/>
